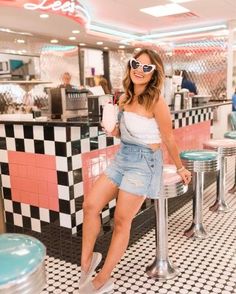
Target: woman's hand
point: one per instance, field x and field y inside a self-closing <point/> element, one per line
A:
<point x="114" y="133"/>
<point x="185" y="175"/>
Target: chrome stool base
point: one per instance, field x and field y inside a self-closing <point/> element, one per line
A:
<point x="233" y="189"/>
<point x="196" y="231"/>
<point x="162" y="269"/>
<point x="220" y="207"/>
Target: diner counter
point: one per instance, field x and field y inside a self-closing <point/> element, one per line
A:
<point x="81" y="121"/>
<point x="47" y="168"/>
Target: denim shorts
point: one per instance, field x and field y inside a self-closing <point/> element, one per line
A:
<point x="137" y="170"/>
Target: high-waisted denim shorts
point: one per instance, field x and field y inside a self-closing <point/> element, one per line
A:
<point x="138" y="170"/>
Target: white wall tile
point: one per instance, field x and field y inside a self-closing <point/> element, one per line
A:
<point x="75" y="133"/>
<point x="49" y="147"/>
<point x="35" y="224"/>
<point x="79" y="216"/>
<point x="78" y="189"/>
<point x="65" y="220"/>
<point x="8" y="205"/>
<point x="29" y="145"/>
<point x="63" y="192"/>
<point x="11" y="144"/>
<point x="17" y="218"/>
<point x="25" y="209"/>
<point x="4" y="155"/>
<point x="18" y="131"/>
<point x="60" y="134"/>
<point x="85" y="145"/>
<point x="2" y="131"/>
<point x="61" y="163"/>
<point x="38" y="132"/>
<point x="76" y="161"/>
<point x="102" y="142"/>
<point x="6" y="181"/>
<point x="44" y="214"/>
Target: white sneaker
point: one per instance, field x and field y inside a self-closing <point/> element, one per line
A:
<point x="88" y="288"/>
<point x="85" y="276"/>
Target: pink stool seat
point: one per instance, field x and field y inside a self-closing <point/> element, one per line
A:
<point x="170" y="175"/>
<point x="173" y="185"/>
<point x="217" y="143"/>
<point x="224" y="147"/>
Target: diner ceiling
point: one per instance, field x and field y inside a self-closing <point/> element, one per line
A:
<point x="120" y="15"/>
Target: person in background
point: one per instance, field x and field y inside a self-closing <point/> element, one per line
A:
<point x="188" y="84"/>
<point x="104" y="84"/>
<point x="66" y="79"/>
<point x="136" y="171"/>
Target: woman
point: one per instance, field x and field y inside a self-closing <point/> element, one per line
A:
<point x="135" y="173"/>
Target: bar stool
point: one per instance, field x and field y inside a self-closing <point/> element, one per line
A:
<point x="22" y="267"/>
<point x="225" y="148"/>
<point x="232" y="135"/>
<point x="199" y="162"/>
<point x="162" y="267"/>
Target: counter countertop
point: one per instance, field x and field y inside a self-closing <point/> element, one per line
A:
<point x="205" y="105"/>
<point x="85" y="121"/>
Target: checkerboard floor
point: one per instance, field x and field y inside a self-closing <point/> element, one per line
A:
<point x="205" y="266"/>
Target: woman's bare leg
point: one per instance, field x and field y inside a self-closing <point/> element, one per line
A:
<point x="101" y="193"/>
<point x="126" y="208"/>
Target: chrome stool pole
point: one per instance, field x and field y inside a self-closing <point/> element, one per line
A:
<point x="225" y="148"/>
<point x="199" y="162"/>
<point x="162" y="268"/>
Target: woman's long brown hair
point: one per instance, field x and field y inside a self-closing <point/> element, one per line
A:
<point x="153" y="88"/>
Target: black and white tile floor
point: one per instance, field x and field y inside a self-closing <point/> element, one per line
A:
<point x="205" y="266"/>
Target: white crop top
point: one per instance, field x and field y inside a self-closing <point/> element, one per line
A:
<point x="143" y="128"/>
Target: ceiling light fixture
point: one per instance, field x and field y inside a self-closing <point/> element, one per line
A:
<point x="82" y="44"/>
<point x="75" y="32"/>
<point x="54" y="41"/>
<point x="44" y="15"/>
<point x="112" y="32"/>
<point x="180" y="1"/>
<point x="122" y="47"/>
<point x="99" y="43"/>
<point x="106" y="48"/>
<point x="72" y="38"/>
<point x="20" y="41"/>
<point x="164" y="10"/>
<point x="182" y="32"/>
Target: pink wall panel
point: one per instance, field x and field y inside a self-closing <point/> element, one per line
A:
<point x="189" y="137"/>
<point x="94" y="163"/>
<point x="33" y="179"/>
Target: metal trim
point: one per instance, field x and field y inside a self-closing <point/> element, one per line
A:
<point x="202" y="166"/>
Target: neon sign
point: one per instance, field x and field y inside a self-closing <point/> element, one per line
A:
<point x="69" y="8"/>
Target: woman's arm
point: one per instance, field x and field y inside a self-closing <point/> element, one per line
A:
<point x="163" y="118"/>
